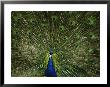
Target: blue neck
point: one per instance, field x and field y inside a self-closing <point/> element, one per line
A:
<point x="50" y="71"/>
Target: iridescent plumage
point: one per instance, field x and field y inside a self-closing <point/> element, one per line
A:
<point x="50" y="71"/>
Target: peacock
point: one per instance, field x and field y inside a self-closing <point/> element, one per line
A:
<point x="55" y="43"/>
<point x="50" y="71"/>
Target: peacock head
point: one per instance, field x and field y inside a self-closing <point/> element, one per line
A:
<point x="51" y="52"/>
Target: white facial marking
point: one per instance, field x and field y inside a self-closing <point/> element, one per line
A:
<point x="50" y="55"/>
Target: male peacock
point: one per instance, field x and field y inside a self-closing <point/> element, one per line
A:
<point x="50" y="71"/>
